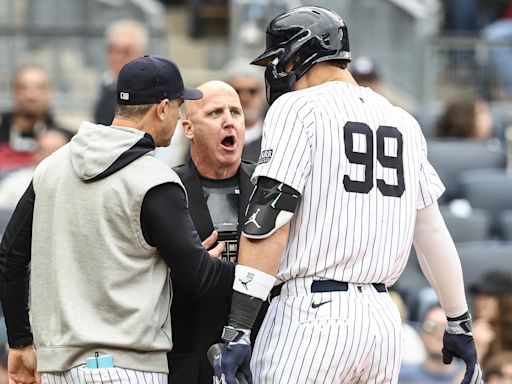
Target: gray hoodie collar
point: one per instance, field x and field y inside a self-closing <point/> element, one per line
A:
<point x="98" y="151"/>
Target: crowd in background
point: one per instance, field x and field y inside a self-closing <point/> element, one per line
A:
<point x="29" y="133"/>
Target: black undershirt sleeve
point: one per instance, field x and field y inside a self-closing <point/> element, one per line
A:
<point x="15" y="255"/>
<point x="167" y="225"/>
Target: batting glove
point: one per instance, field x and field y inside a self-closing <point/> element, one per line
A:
<point x="235" y="356"/>
<point x="458" y="342"/>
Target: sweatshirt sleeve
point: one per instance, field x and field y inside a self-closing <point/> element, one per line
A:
<point x="15" y="256"/>
<point x="167" y="225"/>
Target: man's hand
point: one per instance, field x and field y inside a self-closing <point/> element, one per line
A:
<point x="458" y="342"/>
<point x="210" y="241"/>
<point x="22" y="365"/>
<point x="235" y="356"/>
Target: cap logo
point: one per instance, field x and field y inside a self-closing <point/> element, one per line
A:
<point x="124" y="95"/>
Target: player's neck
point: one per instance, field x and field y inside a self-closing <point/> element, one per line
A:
<point x="322" y="73"/>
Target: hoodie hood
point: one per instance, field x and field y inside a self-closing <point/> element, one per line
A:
<point x="98" y="151"/>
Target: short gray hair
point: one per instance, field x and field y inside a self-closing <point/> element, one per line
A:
<point x="133" y="27"/>
<point x="133" y="111"/>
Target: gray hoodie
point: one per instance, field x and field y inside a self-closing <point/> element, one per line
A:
<point x="98" y="286"/>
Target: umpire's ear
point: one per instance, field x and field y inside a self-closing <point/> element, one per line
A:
<point x="187" y="128"/>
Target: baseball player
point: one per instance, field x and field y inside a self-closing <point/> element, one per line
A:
<point x="343" y="188"/>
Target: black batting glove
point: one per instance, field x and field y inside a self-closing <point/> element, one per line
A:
<point x="235" y="357"/>
<point x="458" y="342"/>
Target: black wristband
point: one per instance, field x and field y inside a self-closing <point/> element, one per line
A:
<point x="244" y="310"/>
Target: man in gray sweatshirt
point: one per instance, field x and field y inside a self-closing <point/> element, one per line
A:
<point x="98" y="236"/>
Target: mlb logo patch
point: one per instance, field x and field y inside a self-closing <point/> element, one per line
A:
<point x="124" y="95"/>
<point x="265" y="156"/>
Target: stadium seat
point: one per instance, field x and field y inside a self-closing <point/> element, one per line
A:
<point x="427" y="116"/>
<point x="505" y="223"/>
<point x="474" y="226"/>
<point x="490" y="190"/>
<point x="478" y="258"/>
<point x="451" y="157"/>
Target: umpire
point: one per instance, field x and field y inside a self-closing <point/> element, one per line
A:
<point x="218" y="185"/>
<point x="106" y="221"/>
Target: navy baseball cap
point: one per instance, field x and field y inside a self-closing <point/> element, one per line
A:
<point x="149" y="80"/>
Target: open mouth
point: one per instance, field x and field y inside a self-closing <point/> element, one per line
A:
<point x="229" y="142"/>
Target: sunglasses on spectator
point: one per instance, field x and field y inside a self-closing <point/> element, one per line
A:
<point x="431" y="327"/>
<point x="250" y="90"/>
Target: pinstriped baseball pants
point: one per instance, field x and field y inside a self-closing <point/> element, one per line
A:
<point x="82" y="375"/>
<point x="328" y="337"/>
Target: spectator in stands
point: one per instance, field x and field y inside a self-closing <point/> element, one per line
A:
<point x="498" y="369"/>
<point x="365" y="73"/>
<point x="492" y="301"/>
<point x="466" y="119"/>
<point x="498" y="34"/>
<point x="248" y="83"/>
<point x="484" y="336"/>
<point x="218" y="187"/>
<point x="31" y="115"/>
<point x="15" y="183"/>
<point x="125" y="39"/>
<point x="431" y="370"/>
<point x="412" y="346"/>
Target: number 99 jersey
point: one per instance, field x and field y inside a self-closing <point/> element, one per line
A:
<point x="361" y="167"/>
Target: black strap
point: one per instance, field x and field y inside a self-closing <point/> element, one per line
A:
<point x="327" y="286"/>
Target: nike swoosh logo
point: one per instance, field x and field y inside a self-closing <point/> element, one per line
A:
<point x="315" y="305"/>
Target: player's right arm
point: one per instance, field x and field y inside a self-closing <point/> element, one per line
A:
<point x="264" y="236"/>
<point x="282" y="172"/>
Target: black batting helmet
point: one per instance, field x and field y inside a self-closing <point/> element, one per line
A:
<point x="307" y="34"/>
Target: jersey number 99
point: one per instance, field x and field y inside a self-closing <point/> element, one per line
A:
<point x="367" y="159"/>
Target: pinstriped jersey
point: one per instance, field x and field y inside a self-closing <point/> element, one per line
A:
<point x="361" y="167"/>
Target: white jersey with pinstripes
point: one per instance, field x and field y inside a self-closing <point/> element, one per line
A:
<point x="361" y="167"/>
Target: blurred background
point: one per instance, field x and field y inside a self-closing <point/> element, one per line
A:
<point x="447" y="62"/>
<point x="427" y="51"/>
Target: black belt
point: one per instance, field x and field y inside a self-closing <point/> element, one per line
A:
<point x="327" y="286"/>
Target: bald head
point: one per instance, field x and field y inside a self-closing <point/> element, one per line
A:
<point x="215" y="127"/>
<point x="211" y="90"/>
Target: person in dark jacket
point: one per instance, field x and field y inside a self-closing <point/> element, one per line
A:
<point x="30" y="116"/>
<point x="218" y="186"/>
<point x="125" y="40"/>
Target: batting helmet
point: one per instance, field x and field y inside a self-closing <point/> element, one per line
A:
<point x="307" y="34"/>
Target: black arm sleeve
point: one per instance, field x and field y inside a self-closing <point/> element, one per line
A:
<point x="15" y="255"/>
<point x="167" y="225"/>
